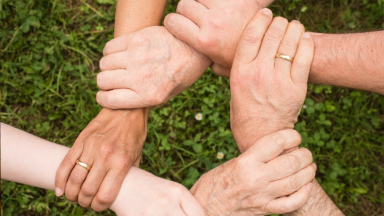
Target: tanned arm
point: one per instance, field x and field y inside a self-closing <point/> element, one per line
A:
<point x="349" y="60"/>
<point x="115" y="138"/>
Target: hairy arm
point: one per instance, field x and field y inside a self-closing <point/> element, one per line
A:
<point x="349" y="60"/>
<point x="133" y="15"/>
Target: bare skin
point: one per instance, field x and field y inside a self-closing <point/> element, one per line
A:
<point x="347" y="60"/>
<point x="106" y="137"/>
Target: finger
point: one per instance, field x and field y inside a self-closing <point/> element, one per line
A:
<point x="209" y="3"/>
<point x="137" y="162"/>
<point x="116" y="79"/>
<point x="78" y="174"/>
<point x="220" y="70"/>
<point x="109" y="188"/>
<point x="289" y="46"/>
<point x="272" y="145"/>
<point x="291" y="203"/>
<point x="294" y="182"/>
<point x="288" y="164"/>
<point x="182" y="28"/>
<point x="66" y="166"/>
<point x="114" y="61"/>
<point x="252" y="36"/>
<point x="272" y="40"/>
<point x="303" y="60"/>
<point x="91" y="185"/>
<point x="119" y="44"/>
<point x="192" y="10"/>
<point x="190" y="205"/>
<point x="120" y="99"/>
<point x="177" y="212"/>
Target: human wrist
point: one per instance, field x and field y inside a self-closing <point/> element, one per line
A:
<point x="247" y="133"/>
<point x="319" y="204"/>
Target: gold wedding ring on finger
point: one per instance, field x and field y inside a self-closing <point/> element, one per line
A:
<point x="84" y="165"/>
<point x="285" y="57"/>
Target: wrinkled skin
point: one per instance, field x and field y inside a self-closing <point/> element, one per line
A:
<point x="257" y="182"/>
<point x="110" y="144"/>
<point x="212" y="27"/>
<point x="146" y="68"/>
<point x="268" y="92"/>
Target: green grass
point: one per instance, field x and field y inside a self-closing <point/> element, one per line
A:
<point x="49" y="52"/>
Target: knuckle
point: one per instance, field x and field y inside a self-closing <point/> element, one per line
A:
<point x="104" y="198"/>
<point x="76" y="178"/>
<point x="293" y="183"/>
<point x="289" y="44"/>
<point x="165" y="200"/>
<point x="242" y="163"/>
<point x="301" y="62"/>
<point x="88" y="190"/>
<point x="293" y="162"/>
<point x="279" y="139"/>
<point x="122" y="165"/>
<point x="251" y="36"/>
<point x="274" y="34"/>
<point x="106" y="151"/>
<point x="216" y="23"/>
<point x="178" y="190"/>
<point x="157" y="97"/>
<point x="68" y="160"/>
<point x="204" y="42"/>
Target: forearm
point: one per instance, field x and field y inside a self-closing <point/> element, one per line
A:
<point x="30" y="160"/>
<point x="349" y="60"/>
<point x="133" y="15"/>
<point x="319" y="204"/>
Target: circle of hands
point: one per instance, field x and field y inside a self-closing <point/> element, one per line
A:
<point x="237" y="39"/>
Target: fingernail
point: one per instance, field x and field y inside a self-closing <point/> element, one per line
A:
<point x="306" y="35"/>
<point x="58" y="191"/>
<point x="266" y="11"/>
<point x="309" y="187"/>
<point x="314" y="166"/>
<point x="295" y="21"/>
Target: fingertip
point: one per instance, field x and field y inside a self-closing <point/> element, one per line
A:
<point x="101" y="63"/>
<point x="314" y="166"/>
<point x="306" y="35"/>
<point x="58" y="191"/>
<point x="267" y="12"/>
<point x="308" y="187"/>
<point x="166" y="20"/>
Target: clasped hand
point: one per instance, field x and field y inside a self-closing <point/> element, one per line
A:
<point x="151" y="66"/>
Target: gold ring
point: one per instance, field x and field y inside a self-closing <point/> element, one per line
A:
<point x="84" y="165"/>
<point x="285" y="57"/>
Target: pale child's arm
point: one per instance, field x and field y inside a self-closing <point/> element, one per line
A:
<point x="30" y="160"/>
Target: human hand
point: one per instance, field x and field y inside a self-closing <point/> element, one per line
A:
<point x="145" y="194"/>
<point x="212" y="27"/>
<point x="111" y="143"/>
<point x="268" y="92"/>
<point x="258" y="181"/>
<point x="146" y="68"/>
